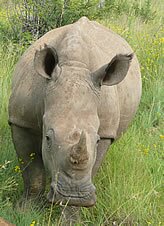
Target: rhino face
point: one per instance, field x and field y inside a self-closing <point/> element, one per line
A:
<point x="70" y="136"/>
<point x="70" y="165"/>
<point x="71" y="123"/>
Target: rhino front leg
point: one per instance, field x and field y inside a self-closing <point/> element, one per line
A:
<point x="28" y="149"/>
<point x="102" y="148"/>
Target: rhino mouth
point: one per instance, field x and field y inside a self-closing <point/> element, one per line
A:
<point x="79" y="198"/>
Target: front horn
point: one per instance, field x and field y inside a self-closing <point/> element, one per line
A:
<point x="79" y="154"/>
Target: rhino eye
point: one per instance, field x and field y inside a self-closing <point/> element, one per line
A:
<point x="48" y="138"/>
<point x="98" y="139"/>
<point x="48" y="141"/>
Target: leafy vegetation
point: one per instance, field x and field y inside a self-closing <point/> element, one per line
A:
<point x="29" y="20"/>
<point x="129" y="183"/>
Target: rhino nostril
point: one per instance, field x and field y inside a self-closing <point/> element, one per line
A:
<point x="51" y="191"/>
<point x="74" y="161"/>
<point x="51" y="188"/>
<point x="51" y="194"/>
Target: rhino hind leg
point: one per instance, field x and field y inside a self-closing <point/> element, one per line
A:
<point x="28" y="149"/>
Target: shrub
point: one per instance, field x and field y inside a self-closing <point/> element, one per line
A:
<point x="31" y="19"/>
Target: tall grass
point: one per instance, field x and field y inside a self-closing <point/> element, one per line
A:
<point x="129" y="183"/>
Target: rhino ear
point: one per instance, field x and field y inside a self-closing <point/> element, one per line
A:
<point x="114" y="72"/>
<point x="45" y="61"/>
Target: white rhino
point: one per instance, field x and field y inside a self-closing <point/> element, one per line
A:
<point x="74" y="92"/>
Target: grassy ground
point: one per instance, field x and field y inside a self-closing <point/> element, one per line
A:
<point x="129" y="184"/>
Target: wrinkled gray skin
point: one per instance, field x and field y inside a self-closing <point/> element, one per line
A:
<point x="74" y="91"/>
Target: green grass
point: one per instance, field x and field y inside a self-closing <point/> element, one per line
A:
<point x="129" y="183"/>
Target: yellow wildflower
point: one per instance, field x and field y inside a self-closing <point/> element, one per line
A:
<point x="161" y="40"/>
<point x="17" y="169"/>
<point x="33" y="223"/>
<point x="146" y="151"/>
<point x="161" y="136"/>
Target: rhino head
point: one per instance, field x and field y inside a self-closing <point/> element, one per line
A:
<point x="71" y="122"/>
